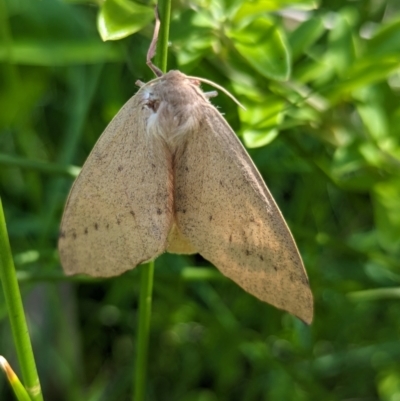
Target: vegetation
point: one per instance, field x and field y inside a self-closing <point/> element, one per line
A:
<point x="321" y="85"/>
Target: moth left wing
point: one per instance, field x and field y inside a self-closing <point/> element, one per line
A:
<point x="119" y="211"/>
<point x="224" y="209"/>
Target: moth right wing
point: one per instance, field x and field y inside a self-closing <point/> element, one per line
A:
<point x="119" y="210"/>
<point x="226" y="212"/>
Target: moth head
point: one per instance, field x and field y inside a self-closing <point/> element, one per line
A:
<point x="176" y="79"/>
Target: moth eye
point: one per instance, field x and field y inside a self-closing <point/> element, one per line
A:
<point x="153" y="104"/>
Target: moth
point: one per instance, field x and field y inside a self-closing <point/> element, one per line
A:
<point x="169" y="175"/>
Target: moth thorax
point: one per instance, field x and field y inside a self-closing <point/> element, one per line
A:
<point x="172" y="120"/>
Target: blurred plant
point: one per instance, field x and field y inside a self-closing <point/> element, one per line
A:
<point x="32" y="390"/>
<point x="19" y="390"/>
<point x="320" y="82"/>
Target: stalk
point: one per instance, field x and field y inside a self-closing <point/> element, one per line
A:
<point x="16" y="314"/>
<point x="147" y="272"/>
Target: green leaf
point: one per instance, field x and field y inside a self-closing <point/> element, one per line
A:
<point x="388" y="384"/>
<point x="258" y="138"/>
<point x="118" y="19"/>
<point x="261" y="121"/>
<point x="58" y="53"/>
<point x="375" y="294"/>
<point x="257" y="7"/>
<point x="352" y="171"/>
<point x="341" y="52"/>
<point x="386" y="40"/>
<point x="231" y="7"/>
<point x="365" y="71"/>
<point x="261" y="43"/>
<point x="305" y="35"/>
<point x="374" y="119"/>
<point x="192" y="37"/>
<point x="198" y="46"/>
<point x="387" y="213"/>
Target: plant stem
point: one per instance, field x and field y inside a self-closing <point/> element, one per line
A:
<point x="16" y="314"/>
<point x="44" y="167"/>
<point x="142" y="344"/>
<point x="147" y="272"/>
<point x="164" y="10"/>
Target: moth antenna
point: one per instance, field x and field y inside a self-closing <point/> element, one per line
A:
<point x="139" y="83"/>
<point x="227" y="93"/>
<point x="153" y="45"/>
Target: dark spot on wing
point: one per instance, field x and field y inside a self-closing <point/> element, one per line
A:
<point x="61" y="234"/>
<point x="86" y="230"/>
<point x="120" y="168"/>
<point x="183" y="211"/>
<point x="153" y="165"/>
<point x="74" y="235"/>
<point x="252" y="219"/>
<point x="210" y="218"/>
<point x="221" y="183"/>
<point x="118" y="221"/>
<point x="159" y="211"/>
<point x="247" y="252"/>
<point x="186" y="169"/>
<point x="107" y="225"/>
<point x="275" y="268"/>
<point x="230" y="238"/>
<point x="261" y="257"/>
<point x="96" y="226"/>
<point x="132" y="213"/>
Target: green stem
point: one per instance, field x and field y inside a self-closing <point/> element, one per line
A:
<point x="16" y="314"/>
<point x="11" y="75"/>
<point x="147" y="272"/>
<point x="164" y="10"/>
<point x="187" y="274"/>
<point x="44" y="167"/>
<point x="19" y="389"/>
<point x="142" y="344"/>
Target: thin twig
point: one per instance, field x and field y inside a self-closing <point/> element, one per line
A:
<point x="153" y="45"/>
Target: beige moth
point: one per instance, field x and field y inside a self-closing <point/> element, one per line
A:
<point x="168" y="174"/>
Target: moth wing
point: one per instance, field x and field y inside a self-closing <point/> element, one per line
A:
<point x="226" y="212"/>
<point x="118" y="213"/>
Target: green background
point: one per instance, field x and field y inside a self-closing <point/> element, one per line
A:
<point x="321" y="85"/>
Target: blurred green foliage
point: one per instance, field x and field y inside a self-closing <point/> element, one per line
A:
<point x="321" y="85"/>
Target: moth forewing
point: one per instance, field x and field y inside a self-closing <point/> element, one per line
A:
<point x="119" y="211"/>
